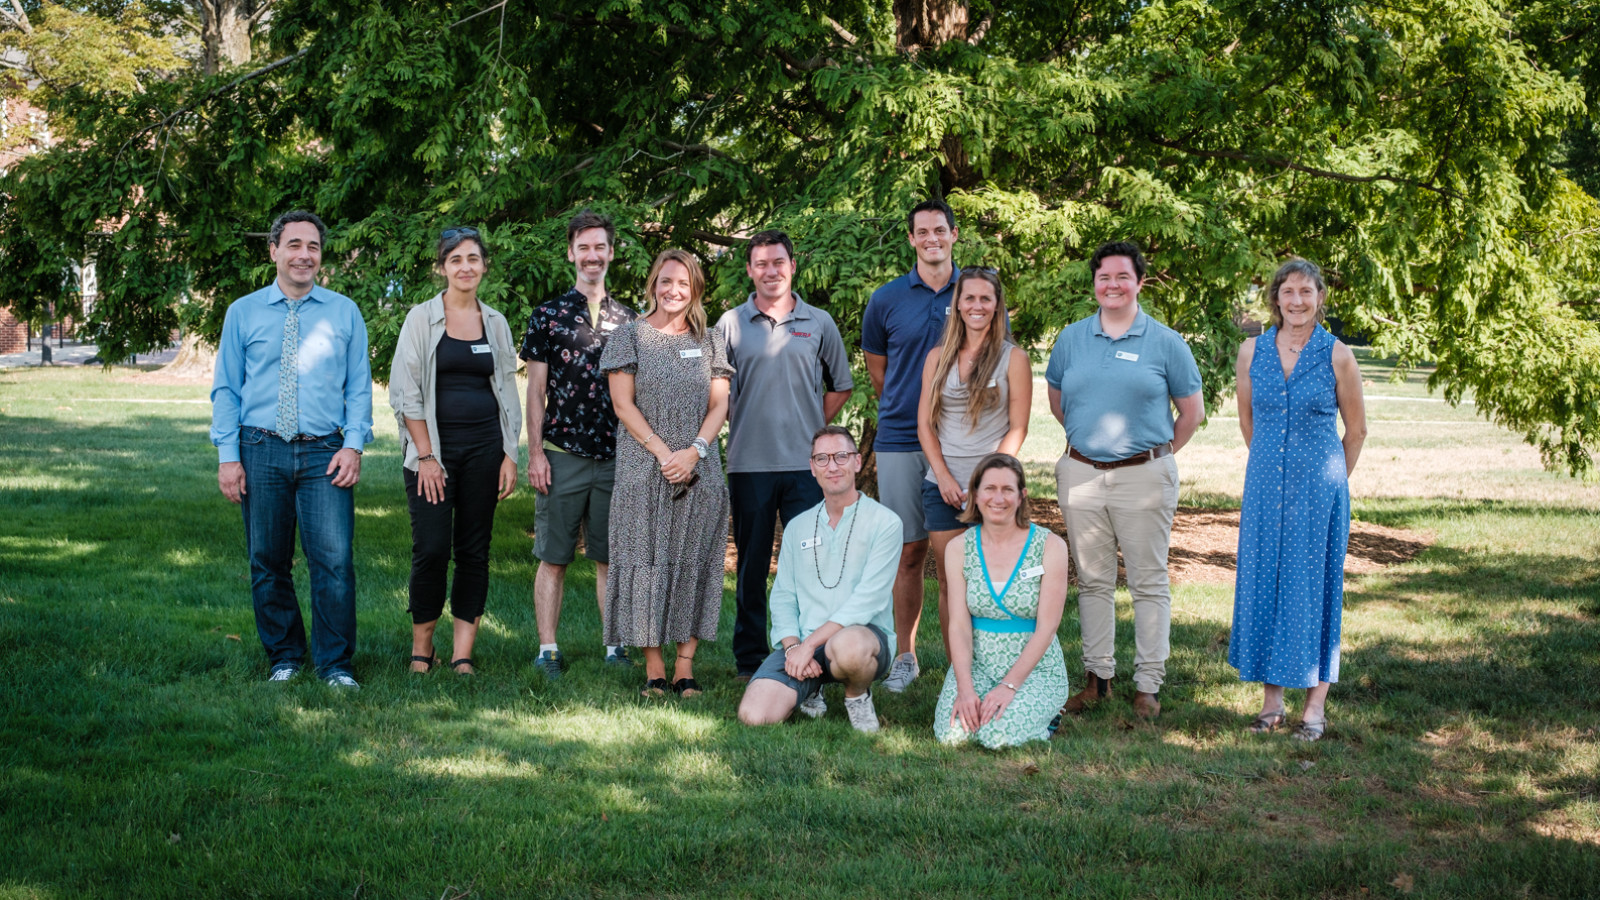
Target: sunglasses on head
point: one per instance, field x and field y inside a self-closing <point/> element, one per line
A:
<point x="463" y="231"/>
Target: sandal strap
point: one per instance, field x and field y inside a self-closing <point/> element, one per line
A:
<point x="464" y="661"/>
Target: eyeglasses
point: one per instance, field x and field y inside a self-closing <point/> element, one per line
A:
<point x="463" y="231"/>
<point x="842" y="458"/>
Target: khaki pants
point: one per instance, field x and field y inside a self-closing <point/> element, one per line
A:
<point x="1130" y="508"/>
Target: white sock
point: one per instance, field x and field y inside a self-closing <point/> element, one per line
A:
<point x="548" y="648"/>
<point x="612" y="648"/>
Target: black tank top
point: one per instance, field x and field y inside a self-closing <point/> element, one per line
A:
<point x="463" y="392"/>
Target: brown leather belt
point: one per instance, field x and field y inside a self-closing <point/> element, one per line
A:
<point x="1138" y="459"/>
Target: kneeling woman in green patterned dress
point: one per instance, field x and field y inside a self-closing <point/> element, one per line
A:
<point x="1007" y="676"/>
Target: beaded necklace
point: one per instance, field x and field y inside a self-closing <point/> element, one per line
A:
<point x="816" y="542"/>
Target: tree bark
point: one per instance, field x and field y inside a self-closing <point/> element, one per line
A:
<point x="224" y="33"/>
<point x="921" y="24"/>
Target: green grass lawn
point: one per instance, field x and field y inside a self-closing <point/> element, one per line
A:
<point x="143" y="754"/>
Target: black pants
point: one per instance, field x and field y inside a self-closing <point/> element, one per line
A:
<point x="757" y="499"/>
<point x="462" y="521"/>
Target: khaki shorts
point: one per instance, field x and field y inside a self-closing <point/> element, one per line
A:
<point x="579" y="500"/>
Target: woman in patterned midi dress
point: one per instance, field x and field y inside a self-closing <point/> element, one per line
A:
<point x="1295" y="524"/>
<point x="1007" y="677"/>
<point x="669" y="511"/>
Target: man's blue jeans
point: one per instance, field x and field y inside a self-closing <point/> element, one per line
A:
<point x="288" y="484"/>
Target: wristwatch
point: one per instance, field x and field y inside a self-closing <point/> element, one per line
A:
<point x="701" y="447"/>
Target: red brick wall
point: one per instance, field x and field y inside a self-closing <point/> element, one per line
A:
<point x="14" y="334"/>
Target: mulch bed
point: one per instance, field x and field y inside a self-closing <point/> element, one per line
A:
<point x="1205" y="544"/>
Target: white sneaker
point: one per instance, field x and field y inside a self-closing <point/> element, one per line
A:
<point x="862" y="716"/>
<point x="904" y="671"/>
<point x="283" y="672"/>
<point x="342" y="681"/>
<point x="815" y="706"/>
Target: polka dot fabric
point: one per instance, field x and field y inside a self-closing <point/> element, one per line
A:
<point x="1295" y="526"/>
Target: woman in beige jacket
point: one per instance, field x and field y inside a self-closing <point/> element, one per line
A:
<point x="453" y="386"/>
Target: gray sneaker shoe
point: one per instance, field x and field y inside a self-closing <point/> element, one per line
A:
<point x="815" y="706"/>
<point x="550" y="662"/>
<point x="283" y="672"/>
<point x="904" y="671"/>
<point x="342" y="681"/>
<point x="863" y="717"/>
<point x="619" y="658"/>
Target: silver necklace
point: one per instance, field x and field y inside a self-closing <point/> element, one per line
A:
<point x="816" y="542"/>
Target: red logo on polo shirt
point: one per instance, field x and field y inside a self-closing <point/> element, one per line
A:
<point x="799" y="333"/>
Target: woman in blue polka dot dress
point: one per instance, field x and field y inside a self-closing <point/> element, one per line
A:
<point x="1295" y="525"/>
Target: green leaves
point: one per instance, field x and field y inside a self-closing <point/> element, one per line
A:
<point x="1416" y="153"/>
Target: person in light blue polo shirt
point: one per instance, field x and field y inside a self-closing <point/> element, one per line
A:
<point x="291" y="411"/>
<point x="1114" y="380"/>
<point x="901" y="325"/>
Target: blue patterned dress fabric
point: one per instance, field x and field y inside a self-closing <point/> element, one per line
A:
<point x="289" y="373"/>
<point x="1295" y="525"/>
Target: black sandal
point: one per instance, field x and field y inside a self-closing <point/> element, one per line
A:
<point x="686" y="687"/>
<point x="429" y="661"/>
<point x="458" y="663"/>
<point x="655" y="687"/>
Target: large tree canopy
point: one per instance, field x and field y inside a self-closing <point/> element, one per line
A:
<point x="1429" y="156"/>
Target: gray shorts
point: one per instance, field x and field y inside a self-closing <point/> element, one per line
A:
<point x="900" y="477"/>
<point x="579" y="498"/>
<point x="772" y="668"/>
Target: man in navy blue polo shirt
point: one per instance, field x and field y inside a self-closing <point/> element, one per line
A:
<point x="1114" y="379"/>
<point x="902" y="324"/>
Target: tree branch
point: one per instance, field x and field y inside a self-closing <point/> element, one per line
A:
<point x="256" y="16"/>
<point x="695" y="148"/>
<point x="248" y="76"/>
<point x="1285" y="163"/>
<point x="17" y="16"/>
<point x="838" y="29"/>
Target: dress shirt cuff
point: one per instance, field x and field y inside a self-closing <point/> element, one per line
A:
<point x="227" y="453"/>
<point x="354" y="441"/>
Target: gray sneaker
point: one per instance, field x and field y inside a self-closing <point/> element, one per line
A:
<point x="342" y="681"/>
<point x="863" y="717"/>
<point x="815" y="706"/>
<point x="283" y="672"/>
<point x="904" y="671"/>
<point x="619" y="658"/>
<point x="550" y="662"/>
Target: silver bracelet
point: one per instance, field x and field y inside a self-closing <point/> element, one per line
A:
<point x="1009" y="685"/>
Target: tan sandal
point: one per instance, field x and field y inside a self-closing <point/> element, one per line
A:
<point x="1268" y="722"/>
<point x="1310" y="731"/>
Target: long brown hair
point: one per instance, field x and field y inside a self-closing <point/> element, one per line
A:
<point x="697" y="288"/>
<point x="981" y="397"/>
<point x="1302" y="267"/>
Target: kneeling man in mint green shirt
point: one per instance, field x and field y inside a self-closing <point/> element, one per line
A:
<point x="832" y="603"/>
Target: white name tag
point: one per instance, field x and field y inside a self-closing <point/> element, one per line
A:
<point x="1035" y="572"/>
<point x="1130" y="357"/>
<point x="482" y="348"/>
<point x="991" y="382"/>
<point x="808" y="543"/>
<point x="608" y="326"/>
<point x="689" y="354"/>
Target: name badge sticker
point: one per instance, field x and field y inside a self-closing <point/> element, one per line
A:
<point x="608" y="326"/>
<point x="1032" y="573"/>
<point x="808" y="543"/>
<point x="482" y="348"/>
<point x="1130" y="357"/>
<point x="991" y="382"/>
<point x="689" y="354"/>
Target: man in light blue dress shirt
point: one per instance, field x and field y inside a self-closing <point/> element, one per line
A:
<point x="291" y="411"/>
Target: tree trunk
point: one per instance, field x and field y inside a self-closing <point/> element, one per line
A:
<point x="194" y="360"/>
<point x="224" y="33"/>
<point x="922" y="24"/>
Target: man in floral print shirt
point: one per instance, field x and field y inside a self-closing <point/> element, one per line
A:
<point x="572" y="430"/>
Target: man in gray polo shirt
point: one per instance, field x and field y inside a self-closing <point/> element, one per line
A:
<point x="1114" y="379"/>
<point x="791" y="377"/>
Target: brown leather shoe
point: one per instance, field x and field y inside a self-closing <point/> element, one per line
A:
<point x="1094" y="690"/>
<point x="1146" y="706"/>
